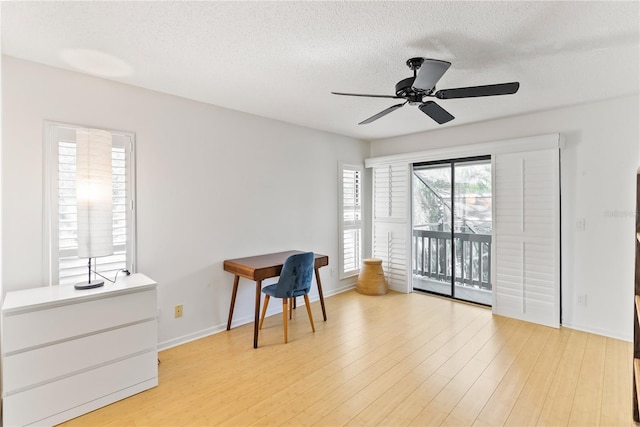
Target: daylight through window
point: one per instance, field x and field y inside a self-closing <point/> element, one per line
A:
<point x="64" y="265"/>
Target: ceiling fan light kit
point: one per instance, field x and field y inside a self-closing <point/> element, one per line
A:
<point x="426" y="73"/>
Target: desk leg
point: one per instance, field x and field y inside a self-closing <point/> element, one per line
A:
<point x="233" y="300"/>
<point x="257" y="319"/>
<point x="324" y="312"/>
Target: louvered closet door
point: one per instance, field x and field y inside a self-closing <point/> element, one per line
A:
<point x="527" y="236"/>
<point x="390" y="209"/>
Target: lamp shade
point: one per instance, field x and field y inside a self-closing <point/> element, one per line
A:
<point x="94" y="193"/>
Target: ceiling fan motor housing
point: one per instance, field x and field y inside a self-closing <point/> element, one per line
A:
<point x="404" y="89"/>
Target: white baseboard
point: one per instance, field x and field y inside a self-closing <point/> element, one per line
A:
<point x="165" y="345"/>
<point x="239" y="321"/>
<point x="606" y="333"/>
<point x="345" y="288"/>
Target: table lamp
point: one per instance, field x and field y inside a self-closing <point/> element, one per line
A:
<point x="94" y="198"/>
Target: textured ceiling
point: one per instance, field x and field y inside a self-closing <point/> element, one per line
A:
<point x="282" y="59"/>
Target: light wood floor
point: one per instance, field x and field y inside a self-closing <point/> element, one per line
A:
<point x="388" y="360"/>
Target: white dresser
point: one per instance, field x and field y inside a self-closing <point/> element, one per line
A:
<point x="66" y="352"/>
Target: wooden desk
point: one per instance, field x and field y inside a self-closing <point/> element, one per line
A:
<point x="258" y="268"/>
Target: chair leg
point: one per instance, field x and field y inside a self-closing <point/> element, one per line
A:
<point x="306" y="302"/>
<point x="284" y="317"/>
<point x="264" y="310"/>
<point x="291" y="301"/>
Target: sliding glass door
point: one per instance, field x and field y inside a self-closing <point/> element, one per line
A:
<point x="451" y="243"/>
<point x="432" y="228"/>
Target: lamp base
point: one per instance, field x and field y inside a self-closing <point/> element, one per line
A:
<point x="89" y="285"/>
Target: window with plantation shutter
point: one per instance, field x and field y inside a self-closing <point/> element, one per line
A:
<point x="390" y="224"/>
<point x="526" y="244"/>
<point x="527" y="236"/>
<point x="63" y="264"/>
<point x="351" y="225"/>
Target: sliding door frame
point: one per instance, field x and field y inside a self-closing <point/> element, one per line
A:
<point x="452" y="164"/>
<point x="512" y="145"/>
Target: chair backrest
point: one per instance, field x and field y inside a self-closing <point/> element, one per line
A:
<point x="296" y="275"/>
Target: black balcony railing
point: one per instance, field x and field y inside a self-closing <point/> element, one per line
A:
<point x="432" y="257"/>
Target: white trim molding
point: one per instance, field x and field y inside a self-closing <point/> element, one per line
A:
<point x="530" y="143"/>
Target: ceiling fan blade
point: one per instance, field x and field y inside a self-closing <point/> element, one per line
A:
<point x="436" y="112"/>
<point x="381" y="113"/>
<point x="475" y="91"/>
<point x="370" y="96"/>
<point x="429" y="73"/>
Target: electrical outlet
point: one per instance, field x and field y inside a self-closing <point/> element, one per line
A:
<point x="178" y="311"/>
<point x="582" y="300"/>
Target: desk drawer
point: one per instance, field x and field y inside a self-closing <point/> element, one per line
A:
<point x="27" y="329"/>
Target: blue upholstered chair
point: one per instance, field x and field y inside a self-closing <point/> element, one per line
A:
<point x="294" y="281"/>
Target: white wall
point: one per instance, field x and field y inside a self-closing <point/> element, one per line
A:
<point x="598" y="168"/>
<point x="212" y="184"/>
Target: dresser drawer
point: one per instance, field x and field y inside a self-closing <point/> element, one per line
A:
<point x="42" y="404"/>
<point x="26" y="329"/>
<point x="27" y="369"/>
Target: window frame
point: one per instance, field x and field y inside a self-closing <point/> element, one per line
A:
<point x="55" y="132"/>
<point x="357" y="225"/>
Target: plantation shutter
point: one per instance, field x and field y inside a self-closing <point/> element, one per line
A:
<point x="527" y="236"/>
<point x="351" y="222"/>
<point x="390" y="224"/>
<point x="64" y="265"/>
